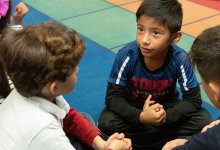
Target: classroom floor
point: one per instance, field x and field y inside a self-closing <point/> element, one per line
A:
<point x="106" y="26"/>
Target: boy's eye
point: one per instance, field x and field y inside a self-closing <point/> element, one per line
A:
<point x="140" y="29"/>
<point x="156" y="32"/>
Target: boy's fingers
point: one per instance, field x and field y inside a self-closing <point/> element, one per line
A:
<point x="115" y="136"/>
<point x="128" y="143"/>
<point x="151" y="102"/>
<point x="111" y="138"/>
<point x="147" y="101"/>
<point x="157" y="106"/>
<point x="157" y="109"/>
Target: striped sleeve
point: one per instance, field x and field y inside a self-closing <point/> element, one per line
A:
<point x="186" y="77"/>
<point x="121" y="70"/>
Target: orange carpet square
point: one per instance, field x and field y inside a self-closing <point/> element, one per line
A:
<point x="215" y="4"/>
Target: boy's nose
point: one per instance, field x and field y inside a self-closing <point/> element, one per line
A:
<point x="145" y="39"/>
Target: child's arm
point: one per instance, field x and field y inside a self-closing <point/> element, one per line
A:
<point x="212" y="124"/>
<point x="20" y="11"/>
<point x="208" y="140"/>
<point x="75" y="124"/>
<point x="152" y="114"/>
<point x="190" y="103"/>
<point x="117" y="102"/>
<point x="124" y="144"/>
<point x="174" y="143"/>
<point x="191" y="97"/>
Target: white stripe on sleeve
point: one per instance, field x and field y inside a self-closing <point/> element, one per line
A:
<point x="184" y="77"/>
<point x="122" y="69"/>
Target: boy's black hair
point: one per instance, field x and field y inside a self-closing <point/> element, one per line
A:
<point x="168" y="12"/>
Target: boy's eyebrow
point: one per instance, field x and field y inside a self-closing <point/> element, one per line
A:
<point x="139" y="24"/>
<point x="154" y="28"/>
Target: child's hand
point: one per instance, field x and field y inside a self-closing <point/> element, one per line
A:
<point x="212" y="124"/>
<point x="119" y="145"/>
<point x="20" y="11"/>
<point x="118" y="142"/>
<point x="152" y="114"/>
<point x="174" y="143"/>
<point x="151" y="102"/>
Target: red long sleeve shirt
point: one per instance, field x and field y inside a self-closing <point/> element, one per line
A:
<point x="75" y="124"/>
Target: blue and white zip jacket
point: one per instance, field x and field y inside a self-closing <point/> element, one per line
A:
<point x="130" y="83"/>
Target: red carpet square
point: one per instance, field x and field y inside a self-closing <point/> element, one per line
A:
<point x="215" y="4"/>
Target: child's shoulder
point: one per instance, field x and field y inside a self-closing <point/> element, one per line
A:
<point x="129" y="49"/>
<point x="178" y="53"/>
<point x="178" y="50"/>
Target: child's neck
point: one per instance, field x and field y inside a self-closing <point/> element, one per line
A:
<point x="45" y="93"/>
<point x="152" y="64"/>
<point x="48" y="97"/>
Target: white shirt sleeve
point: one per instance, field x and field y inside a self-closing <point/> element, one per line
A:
<point x="51" y="138"/>
<point x="1" y="99"/>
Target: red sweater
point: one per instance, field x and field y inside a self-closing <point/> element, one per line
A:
<point x="75" y="124"/>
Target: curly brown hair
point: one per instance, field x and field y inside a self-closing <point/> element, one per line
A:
<point x="40" y="54"/>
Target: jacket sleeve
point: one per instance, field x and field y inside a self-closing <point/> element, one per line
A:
<point x="75" y="124"/>
<point x="116" y="101"/>
<point x="191" y="98"/>
<point x="190" y="103"/>
<point x="203" y="141"/>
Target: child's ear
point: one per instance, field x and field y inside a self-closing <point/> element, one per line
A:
<point x="176" y="37"/>
<point x="215" y="87"/>
<point x="53" y="88"/>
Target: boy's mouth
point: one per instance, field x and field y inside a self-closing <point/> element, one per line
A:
<point x="146" y="49"/>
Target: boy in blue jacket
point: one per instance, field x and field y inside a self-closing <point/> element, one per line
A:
<point x="141" y="99"/>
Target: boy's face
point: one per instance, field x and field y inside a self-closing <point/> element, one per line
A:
<point x="152" y="37"/>
<point x="70" y="82"/>
<point x="212" y="91"/>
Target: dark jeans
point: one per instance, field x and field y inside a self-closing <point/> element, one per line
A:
<point x="78" y="145"/>
<point x="151" y="137"/>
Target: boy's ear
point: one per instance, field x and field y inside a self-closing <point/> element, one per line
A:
<point x="215" y="87"/>
<point x="53" y="88"/>
<point x="176" y="37"/>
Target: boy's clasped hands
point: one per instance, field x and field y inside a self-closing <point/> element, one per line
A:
<point x="118" y="141"/>
<point x="153" y="113"/>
